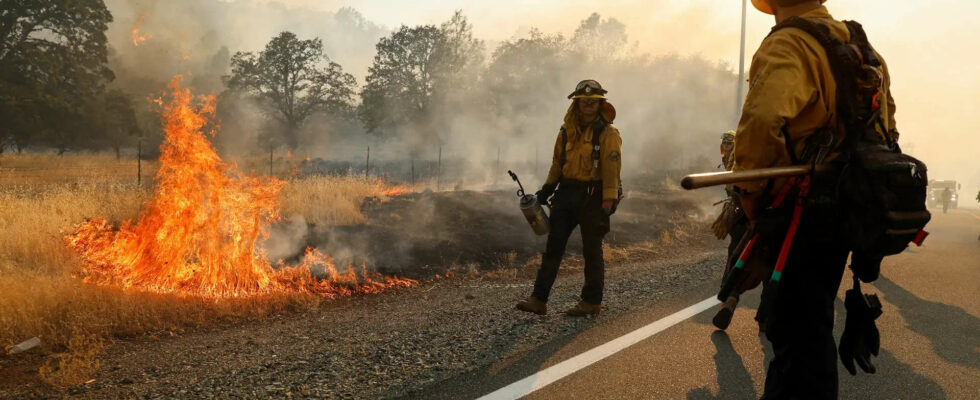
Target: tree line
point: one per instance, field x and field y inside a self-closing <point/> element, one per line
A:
<point x="423" y="81"/>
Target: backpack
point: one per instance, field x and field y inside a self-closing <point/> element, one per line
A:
<point x="882" y="192"/>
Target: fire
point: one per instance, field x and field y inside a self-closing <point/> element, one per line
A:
<point x="384" y="189"/>
<point x="134" y="32"/>
<point x="198" y="235"/>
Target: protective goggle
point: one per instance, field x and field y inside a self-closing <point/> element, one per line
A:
<point x="588" y="88"/>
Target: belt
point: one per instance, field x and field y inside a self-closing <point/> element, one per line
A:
<point x="577" y="184"/>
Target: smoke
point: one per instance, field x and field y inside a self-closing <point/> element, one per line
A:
<point x="671" y="107"/>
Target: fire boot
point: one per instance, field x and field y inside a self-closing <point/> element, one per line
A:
<point x="584" y="308"/>
<point x="533" y="305"/>
<point x="724" y="315"/>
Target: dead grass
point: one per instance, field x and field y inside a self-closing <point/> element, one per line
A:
<point x="20" y="170"/>
<point x="41" y="294"/>
<point x="328" y="200"/>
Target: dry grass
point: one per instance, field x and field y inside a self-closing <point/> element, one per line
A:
<point x="41" y="293"/>
<point x="328" y="200"/>
<point x="19" y="170"/>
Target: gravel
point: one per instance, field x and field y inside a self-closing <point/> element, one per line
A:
<point x="383" y="346"/>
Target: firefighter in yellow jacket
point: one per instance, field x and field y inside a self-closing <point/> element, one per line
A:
<point x="790" y="106"/>
<point x="585" y="171"/>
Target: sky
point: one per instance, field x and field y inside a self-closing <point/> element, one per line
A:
<point x="931" y="48"/>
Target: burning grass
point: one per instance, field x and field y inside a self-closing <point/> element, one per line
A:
<point x="119" y="288"/>
<point x="41" y="293"/>
<point x="199" y="233"/>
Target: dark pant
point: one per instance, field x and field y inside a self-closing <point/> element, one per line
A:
<point x="575" y="206"/>
<point x="801" y="321"/>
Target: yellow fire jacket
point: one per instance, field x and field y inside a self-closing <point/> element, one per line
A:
<point x="578" y="154"/>
<point x="792" y="92"/>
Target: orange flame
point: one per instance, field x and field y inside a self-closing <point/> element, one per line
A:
<point x="198" y="235"/>
<point x="134" y="32"/>
<point x="384" y="189"/>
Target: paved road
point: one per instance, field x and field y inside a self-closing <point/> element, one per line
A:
<point x="930" y="339"/>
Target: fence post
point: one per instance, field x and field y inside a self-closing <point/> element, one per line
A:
<point x="439" y="168"/>
<point x="139" y="163"/>
<point x="497" y="170"/>
<point x="367" y="164"/>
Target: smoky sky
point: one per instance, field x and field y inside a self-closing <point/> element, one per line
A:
<point x="675" y="105"/>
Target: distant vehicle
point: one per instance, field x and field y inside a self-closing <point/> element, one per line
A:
<point x="935" y="193"/>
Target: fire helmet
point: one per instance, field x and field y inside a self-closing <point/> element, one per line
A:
<point x="764" y="6"/>
<point x="588" y="88"/>
<point x="728" y="137"/>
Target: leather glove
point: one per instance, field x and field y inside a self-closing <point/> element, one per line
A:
<point x="860" y="339"/>
<point x="726" y="219"/>
<point x="545" y="193"/>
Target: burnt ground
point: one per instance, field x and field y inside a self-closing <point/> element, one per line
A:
<point x="419" y="234"/>
<point x="398" y="343"/>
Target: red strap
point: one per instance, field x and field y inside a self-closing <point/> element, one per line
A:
<point x="783" y="192"/>
<point x="921" y="237"/>
<point x="748" y="248"/>
<point x="793" y="225"/>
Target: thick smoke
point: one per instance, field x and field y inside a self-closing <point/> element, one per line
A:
<point x="670" y="108"/>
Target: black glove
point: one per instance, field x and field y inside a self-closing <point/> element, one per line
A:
<point x="860" y="339"/>
<point x="619" y="198"/>
<point x="545" y="193"/>
<point x="865" y="267"/>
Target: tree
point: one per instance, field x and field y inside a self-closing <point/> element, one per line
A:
<point x="119" y="125"/>
<point x="418" y="74"/>
<point x="598" y="39"/>
<point x="53" y="64"/>
<point x="527" y="74"/>
<point x="294" y="79"/>
<point x="400" y="83"/>
<point x="458" y="56"/>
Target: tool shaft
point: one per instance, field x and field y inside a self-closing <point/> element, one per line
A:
<point x="697" y="181"/>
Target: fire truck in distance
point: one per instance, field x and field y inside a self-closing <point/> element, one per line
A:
<point x="935" y="193"/>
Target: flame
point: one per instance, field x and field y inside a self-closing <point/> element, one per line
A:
<point x="134" y="32"/>
<point x="198" y="235"/>
<point x="384" y="189"/>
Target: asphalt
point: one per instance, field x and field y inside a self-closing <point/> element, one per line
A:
<point x="930" y="333"/>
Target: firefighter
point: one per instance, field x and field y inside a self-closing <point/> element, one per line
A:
<point x="947" y="197"/>
<point x="730" y="223"/>
<point x="584" y="179"/>
<point x="726" y="147"/>
<point x="792" y="98"/>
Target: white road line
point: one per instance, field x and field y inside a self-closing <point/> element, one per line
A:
<point x="552" y="374"/>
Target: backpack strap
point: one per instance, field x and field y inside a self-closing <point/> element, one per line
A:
<point x="564" y="144"/>
<point x="597" y="127"/>
<point x="845" y="60"/>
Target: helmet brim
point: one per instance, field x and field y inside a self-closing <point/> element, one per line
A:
<point x="764" y="6"/>
<point x="588" y="96"/>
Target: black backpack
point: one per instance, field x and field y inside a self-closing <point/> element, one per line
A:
<point x="882" y="191"/>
